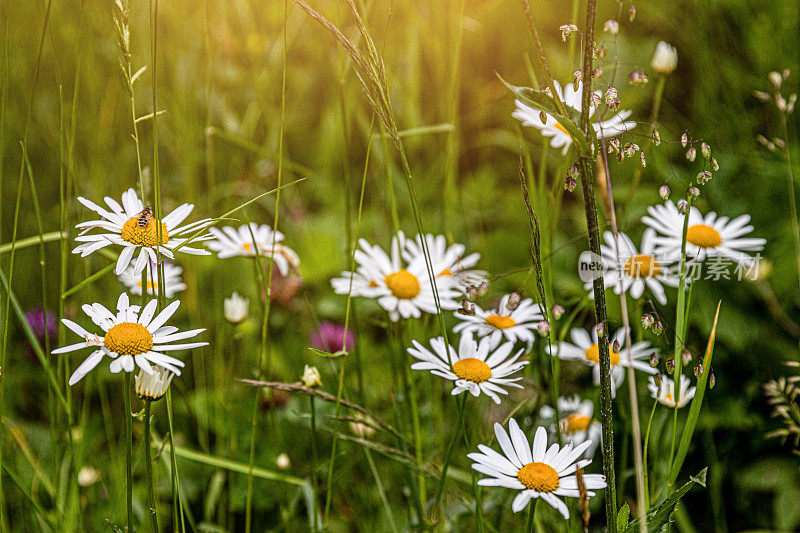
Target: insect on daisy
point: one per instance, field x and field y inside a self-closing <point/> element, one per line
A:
<point x="706" y="236"/>
<point x="403" y="288"/>
<point x="131" y="339"/>
<point x="447" y="260"/>
<point x="131" y="226"/>
<point x="517" y="324"/>
<point x="665" y="394"/>
<point x="537" y="471"/>
<point x="634" y="270"/>
<point x="172" y="280"/>
<point x="584" y="348"/>
<point x="477" y="367"/>
<point x="572" y="96"/>
<point x="576" y="422"/>
<point x="252" y="239"/>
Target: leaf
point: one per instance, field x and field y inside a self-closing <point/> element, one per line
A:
<point x="622" y="517"/>
<point x="659" y="514"/>
<point x="138" y="73"/>
<point x="329" y="355"/>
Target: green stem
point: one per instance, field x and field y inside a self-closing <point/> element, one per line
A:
<point x="450" y="449"/>
<point x="128" y="450"/>
<point x="148" y="464"/>
<point x="644" y="453"/>
<point x="332" y="457"/>
<point x="314" y="481"/>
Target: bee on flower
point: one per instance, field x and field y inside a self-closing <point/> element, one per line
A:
<point x="576" y="422"/>
<point x="400" y="281"/>
<point x="447" y="261"/>
<point x="513" y="320"/>
<point x="481" y="366"/>
<point x="131" y="226"/>
<point x="250" y="240"/>
<point x="572" y="96"/>
<point x="172" y="280"/>
<point x="536" y="471"/>
<point x="665" y="393"/>
<point x="130" y="338"/>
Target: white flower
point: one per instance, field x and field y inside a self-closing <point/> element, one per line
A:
<point x="152" y="387"/>
<point x="235" y="308"/>
<point x="403" y="288"/>
<point x="707" y="236"/>
<point x="447" y="260"/>
<point x="666" y="393"/>
<point x="516" y="325"/>
<point x="576" y="422"/>
<point x="537" y="471"/>
<point x="131" y="339"/>
<point x="122" y="227"/>
<point x="172" y="280"/>
<point x="665" y="58"/>
<point x="283" y="462"/>
<point x="232" y="242"/>
<point x="639" y="268"/>
<point x="572" y="97"/>
<point x="88" y="476"/>
<point x="585" y="349"/>
<point x="311" y="377"/>
<point x="477" y="367"/>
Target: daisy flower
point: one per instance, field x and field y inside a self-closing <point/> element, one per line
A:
<point x="131" y="339"/>
<point x="251" y="239"/>
<point x="576" y="422"/>
<point x="666" y="393"/>
<point x="477" y="367"/>
<point x="572" y="96"/>
<point x="584" y="348"/>
<point x="401" y="287"/>
<point x="153" y="387"/>
<point x="515" y="325"/>
<point x="638" y="268"/>
<point x="132" y="226"/>
<point x="706" y="236"/>
<point x="172" y="280"/>
<point x="447" y="260"/>
<point x="536" y="471"/>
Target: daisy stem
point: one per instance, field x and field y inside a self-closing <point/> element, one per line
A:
<point x="646" y="441"/>
<point x="177" y="500"/>
<point x="332" y="457"/>
<point x="411" y="394"/>
<point x="128" y="450"/>
<point x="314" y="481"/>
<point x="148" y="465"/>
<point x="790" y="187"/>
<point x="450" y="449"/>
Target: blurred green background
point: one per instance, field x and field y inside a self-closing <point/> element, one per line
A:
<point x="218" y="78"/>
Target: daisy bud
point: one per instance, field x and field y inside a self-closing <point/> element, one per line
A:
<point x="543" y="117"/>
<point x="483" y="288"/>
<point x="637" y="77"/>
<point x="632" y="12"/>
<point x="683" y="207"/>
<point x="600" y="329"/>
<point x="311" y="377"/>
<point x="654" y="359"/>
<point x="761" y="95"/>
<point x="152" y="387"/>
<point x="776" y="79"/>
<point x="283" y="462"/>
<point x="656" y="137"/>
<point x="686" y="356"/>
<point x="647" y="320"/>
<point x="665" y="58"/>
<point x="235" y="308"/>
<point x="684" y="139"/>
<point x="712" y="380"/>
<point x="611" y="26"/>
<point x="615" y="346"/>
<point x="705" y="150"/>
<point x="691" y="153"/>
<point x="692" y="192"/>
<point x="714" y="164"/>
<point x="557" y="311"/>
<point x="570" y="183"/>
<point x="513" y="301"/>
<point x="471" y="293"/>
<point x="543" y="327"/>
<point x="670" y="365"/>
<point x="698" y="370"/>
<point x="663" y="192"/>
<point x="657" y="328"/>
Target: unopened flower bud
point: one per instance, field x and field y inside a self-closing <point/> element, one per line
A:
<point x="714" y="165"/>
<point x="683" y="206"/>
<point x="761" y="95"/>
<point x="283" y="462"/>
<point x="543" y="327"/>
<point x="686" y="357"/>
<point x="557" y="311"/>
<point x="691" y="153"/>
<point x="600" y="329"/>
<point x="692" y="192"/>
<point x="513" y="301"/>
<point x="664" y="191"/>
<point x="570" y="183"/>
<point x="654" y="359"/>
<point x="615" y="346"/>
<point x="471" y="293"/>
<point x="712" y="380"/>
<point x="657" y="380"/>
<point x="776" y="79"/>
<point x="311" y="377"/>
<point x="665" y="58"/>
<point x="647" y="320"/>
<point x="611" y="26"/>
<point x="656" y="138"/>
<point x="483" y="288"/>
<point x="698" y="370"/>
<point x="637" y="77"/>
<point x="632" y="12"/>
<point x="670" y="365"/>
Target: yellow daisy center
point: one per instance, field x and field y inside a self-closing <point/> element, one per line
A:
<point x="703" y="236"/>
<point x="500" y="322"/>
<point x="540" y="477"/>
<point x="472" y="369"/>
<point x="574" y="423"/>
<point x="146" y="236"/>
<point x="561" y="128"/>
<point x="642" y="266"/>
<point x="403" y="284"/>
<point x="446" y="272"/>
<point x="151" y="285"/>
<point x="128" y="338"/>
<point x="593" y="354"/>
